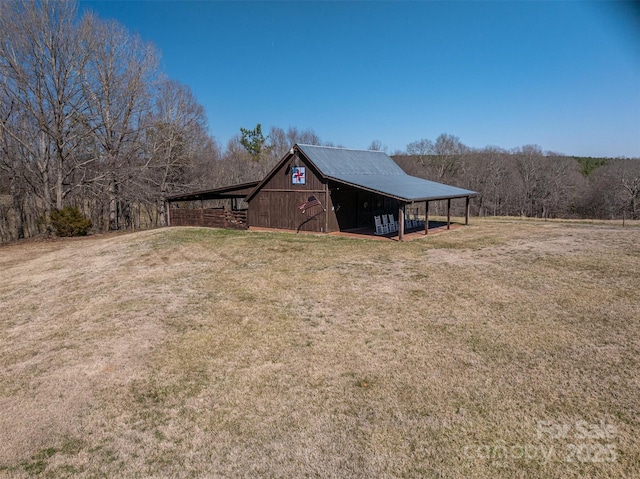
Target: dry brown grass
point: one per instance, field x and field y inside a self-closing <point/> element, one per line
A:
<point x="205" y="353"/>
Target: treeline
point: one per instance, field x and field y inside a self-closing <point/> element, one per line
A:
<point x="88" y="120"/>
<point x="529" y="182"/>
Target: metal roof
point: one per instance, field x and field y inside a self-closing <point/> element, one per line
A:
<point x="405" y="187"/>
<point x="342" y="161"/>
<point x="232" y="191"/>
<point x="376" y="171"/>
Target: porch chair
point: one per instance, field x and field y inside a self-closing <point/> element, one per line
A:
<point x="393" y="226"/>
<point x="385" y="223"/>
<point x="407" y="222"/>
<point x="381" y="229"/>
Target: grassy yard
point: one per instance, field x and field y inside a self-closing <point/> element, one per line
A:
<point x="504" y="349"/>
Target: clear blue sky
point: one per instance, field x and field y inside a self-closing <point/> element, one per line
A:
<point x="562" y="75"/>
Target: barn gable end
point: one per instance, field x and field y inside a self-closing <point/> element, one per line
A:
<point x="275" y="202"/>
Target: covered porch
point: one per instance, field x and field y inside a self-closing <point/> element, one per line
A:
<point x="436" y="226"/>
<point x="397" y="211"/>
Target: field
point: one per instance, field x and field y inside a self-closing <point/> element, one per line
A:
<point x="504" y="349"/>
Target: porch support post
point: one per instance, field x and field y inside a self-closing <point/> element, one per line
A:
<point x="449" y="213"/>
<point x="326" y="207"/>
<point x="401" y="223"/>
<point x="466" y="218"/>
<point x="426" y="218"/>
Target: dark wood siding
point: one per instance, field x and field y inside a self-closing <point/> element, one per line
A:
<point x="279" y="209"/>
<point x="332" y="222"/>
<point x="276" y="204"/>
<point x="281" y="178"/>
<point x="210" y="217"/>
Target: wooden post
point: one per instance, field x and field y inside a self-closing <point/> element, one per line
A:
<point x="426" y="218"/>
<point x="167" y="208"/>
<point x="466" y="218"/>
<point x="326" y="207"/>
<point x="401" y="223"/>
<point x="449" y="213"/>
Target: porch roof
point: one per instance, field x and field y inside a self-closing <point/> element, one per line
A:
<point x="232" y="191"/>
<point x="376" y="171"/>
<point x="404" y="187"/>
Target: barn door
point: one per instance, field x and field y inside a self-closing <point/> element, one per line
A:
<point x="263" y="210"/>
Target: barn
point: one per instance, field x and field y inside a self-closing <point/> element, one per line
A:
<point x="325" y="190"/>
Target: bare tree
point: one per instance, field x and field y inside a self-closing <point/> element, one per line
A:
<point x="176" y="133"/>
<point x="41" y="58"/>
<point x="421" y="149"/>
<point x="11" y="167"/>
<point x="27" y="158"/>
<point x="488" y="174"/>
<point x="530" y="163"/>
<point x="447" y="151"/>
<point x="557" y="186"/>
<point x="630" y="180"/>
<point x="376" y="145"/>
<point x="280" y="141"/>
<point x="117" y="82"/>
<point x="307" y="137"/>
